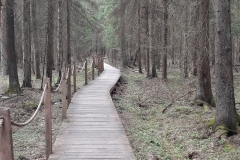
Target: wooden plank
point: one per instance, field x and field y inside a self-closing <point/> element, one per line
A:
<point x="93" y="129"/>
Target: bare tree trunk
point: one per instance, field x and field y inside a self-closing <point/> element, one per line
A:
<point x="4" y="55"/>
<point x="122" y="35"/>
<point x="226" y="115"/>
<point x="204" y="90"/>
<point x="164" y="72"/>
<point x="60" y="43"/>
<point x="26" y="44"/>
<point x="185" y="60"/>
<point x="35" y="40"/>
<point x="14" y="86"/>
<point x="50" y="29"/>
<point x="152" y="30"/>
<point x="139" y="41"/>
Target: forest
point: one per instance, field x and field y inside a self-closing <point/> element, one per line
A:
<point x="179" y="95"/>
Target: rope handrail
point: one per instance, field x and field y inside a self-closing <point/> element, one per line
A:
<point x="1" y="122"/>
<point x="59" y="84"/>
<point x="72" y="69"/>
<point x="83" y="66"/>
<point x="67" y="73"/>
<point x="35" y="113"/>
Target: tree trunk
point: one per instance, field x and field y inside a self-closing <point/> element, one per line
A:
<point x="26" y="45"/>
<point x="204" y="90"/>
<point x="139" y="41"/>
<point x="164" y="72"/>
<point x="226" y="115"/>
<point x="14" y="86"/>
<point x="152" y="30"/>
<point x="35" y="40"/>
<point x="122" y="35"/>
<point x="50" y="29"/>
<point x="4" y="55"/>
<point x="60" y="43"/>
<point x="144" y="32"/>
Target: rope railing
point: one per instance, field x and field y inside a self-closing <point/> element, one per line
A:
<point x="67" y="74"/>
<point x="59" y="84"/>
<point x="6" y="147"/>
<point x="35" y="113"/>
<point x="83" y="67"/>
<point x="1" y="122"/>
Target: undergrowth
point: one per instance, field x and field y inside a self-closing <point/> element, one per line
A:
<point x="182" y="132"/>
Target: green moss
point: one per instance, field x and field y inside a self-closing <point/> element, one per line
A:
<point x="238" y="119"/>
<point x="206" y="108"/>
<point x="213" y="102"/>
<point x="228" y="148"/>
<point x="210" y="122"/>
<point x="13" y="90"/>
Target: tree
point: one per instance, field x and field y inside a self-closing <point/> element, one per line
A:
<point x="226" y="115"/>
<point x="204" y="89"/>
<point x="139" y="55"/>
<point x="152" y="29"/>
<point x="36" y="40"/>
<point x="50" y="28"/>
<point x="144" y="34"/>
<point x="14" y="86"/>
<point x="4" y="56"/>
<point x="164" y="73"/>
<point x="60" y="41"/>
<point x="122" y="34"/>
<point x="27" y="44"/>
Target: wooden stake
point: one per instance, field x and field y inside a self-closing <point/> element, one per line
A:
<point x="64" y="103"/>
<point x="48" y="118"/>
<point x="99" y="68"/>
<point x="86" y="81"/>
<point x="69" y="87"/>
<point x="93" y="64"/>
<point x="74" y="77"/>
<point x="6" y="146"/>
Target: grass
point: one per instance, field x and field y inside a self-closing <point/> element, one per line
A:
<point x="182" y="132"/>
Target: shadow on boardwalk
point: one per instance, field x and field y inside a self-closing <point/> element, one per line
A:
<point x="93" y="129"/>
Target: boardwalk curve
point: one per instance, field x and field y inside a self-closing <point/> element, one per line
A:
<point x="93" y="129"/>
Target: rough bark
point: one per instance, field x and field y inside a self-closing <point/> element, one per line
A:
<point x="139" y="56"/>
<point x="50" y="29"/>
<point x="144" y="33"/>
<point x="26" y="45"/>
<point x="14" y="86"/>
<point x="36" y="40"/>
<point x="122" y="35"/>
<point x="225" y="101"/>
<point x="60" y="42"/>
<point x="152" y="29"/>
<point x="204" y="89"/>
<point x="4" y="55"/>
<point x="164" y="71"/>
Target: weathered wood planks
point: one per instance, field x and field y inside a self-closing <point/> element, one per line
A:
<point x="93" y="129"/>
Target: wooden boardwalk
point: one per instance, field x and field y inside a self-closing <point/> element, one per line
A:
<point x="93" y="129"/>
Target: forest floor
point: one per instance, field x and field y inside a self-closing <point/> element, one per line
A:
<point x="29" y="141"/>
<point x="182" y="131"/>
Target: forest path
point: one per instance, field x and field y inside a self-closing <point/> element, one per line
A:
<point x="93" y="129"/>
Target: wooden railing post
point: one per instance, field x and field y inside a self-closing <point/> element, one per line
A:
<point x="93" y="64"/>
<point x="48" y="118"/>
<point x="6" y="143"/>
<point x="74" y="77"/>
<point x="99" y="66"/>
<point x="69" y="86"/>
<point x="64" y="103"/>
<point x="86" y="71"/>
<point x="102" y="64"/>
